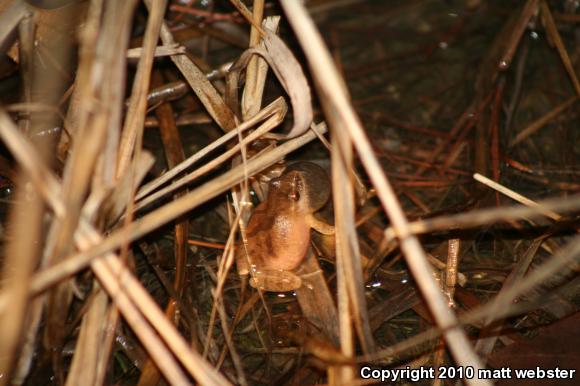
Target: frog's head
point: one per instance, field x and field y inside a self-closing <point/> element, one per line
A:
<point x="290" y="193"/>
<point x="315" y="183"/>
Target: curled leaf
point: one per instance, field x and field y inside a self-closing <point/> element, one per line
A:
<point x="289" y="74"/>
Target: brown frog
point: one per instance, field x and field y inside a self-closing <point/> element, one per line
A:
<point x="278" y="233"/>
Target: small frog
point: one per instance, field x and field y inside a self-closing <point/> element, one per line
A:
<point x="278" y="233"/>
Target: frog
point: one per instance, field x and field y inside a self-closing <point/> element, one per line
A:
<point x="278" y="231"/>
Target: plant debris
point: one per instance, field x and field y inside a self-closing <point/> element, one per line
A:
<point x="139" y="137"/>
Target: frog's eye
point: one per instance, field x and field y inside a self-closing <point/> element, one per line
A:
<point x="5" y="191"/>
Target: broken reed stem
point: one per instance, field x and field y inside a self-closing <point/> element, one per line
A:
<point x="86" y="236"/>
<point x="206" y="92"/>
<point x="343" y="202"/>
<point x="543" y="120"/>
<point x="347" y="245"/>
<point x="135" y="117"/>
<point x="332" y="90"/>
<point x="21" y="258"/>
<point x="271" y="123"/>
<point x="483" y="217"/>
<point x="276" y="107"/>
<point x="117" y="289"/>
<point x="112" y="267"/>
<point x="241" y="7"/>
<point x="170" y="50"/>
<point x="10" y="18"/>
<point x="516" y="196"/>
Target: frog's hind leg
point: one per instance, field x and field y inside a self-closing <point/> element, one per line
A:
<point x="275" y="280"/>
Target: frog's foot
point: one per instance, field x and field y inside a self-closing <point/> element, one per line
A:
<point x="275" y="280"/>
<point x="320" y="226"/>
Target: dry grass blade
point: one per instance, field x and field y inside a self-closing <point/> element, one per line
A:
<point x="553" y="33"/>
<point x="564" y="261"/>
<point x="451" y="269"/>
<point x="486" y="341"/>
<point x="94" y="120"/>
<point x="205" y="91"/>
<point x="339" y="109"/>
<point x="236" y="359"/>
<point x="22" y="255"/>
<point x="148" y="146"/>
<point x="135" y="118"/>
<point x="289" y="73"/>
<point x="115" y="277"/>
<point x="31" y="164"/>
<point x="97" y="122"/>
<point x="347" y="257"/>
<point x="26" y="30"/>
<point x="265" y="127"/>
<point x="543" y="121"/>
<point x="257" y="68"/>
<point x="83" y="370"/>
<point x="113" y="270"/>
<point x="225" y="264"/>
<point x="174" y="154"/>
<point x="167" y="213"/>
<point x="113" y="207"/>
<point x="274" y="108"/>
<point x="515" y="196"/>
<point x="347" y="246"/>
<point x="11" y="14"/>
<point x="170" y="50"/>
<point x="247" y="15"/>
<point x="528" y="11"/>
<point x="488" y="216"/>
<point x="316" y="301"/>
<point x="116" y="286"/>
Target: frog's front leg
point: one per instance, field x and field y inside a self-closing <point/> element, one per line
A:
<point x="319" y="225"/>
